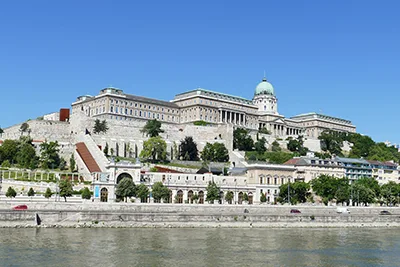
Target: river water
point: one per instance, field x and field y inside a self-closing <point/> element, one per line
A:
<point x="199" y="247"/>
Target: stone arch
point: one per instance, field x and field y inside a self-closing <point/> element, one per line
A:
<point x="104" y="195"/>
<point x="122" y="176"/>
<point x="201" y="197"/>
<point x="179" y="196"/>
<point x="240" y="197"/>
<point x="190" y="195"/>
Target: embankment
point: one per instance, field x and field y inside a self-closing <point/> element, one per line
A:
<point x="58" y="214"/>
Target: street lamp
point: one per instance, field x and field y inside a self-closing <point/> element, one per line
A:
<point x="288" y="192"/>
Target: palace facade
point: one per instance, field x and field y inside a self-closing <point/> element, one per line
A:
<point x="212" y="107"/>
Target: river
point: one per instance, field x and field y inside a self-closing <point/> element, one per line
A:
<point x="199" y="247"/>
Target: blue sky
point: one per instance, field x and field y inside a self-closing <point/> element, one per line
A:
<point x="340" y="58"/>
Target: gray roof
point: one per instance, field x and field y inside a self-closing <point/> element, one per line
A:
<point x="351" y="160"/>
<point x="151" y="101"/>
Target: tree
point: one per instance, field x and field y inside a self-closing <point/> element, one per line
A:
<point x="326" y="187"/>
<point x="100" y="126"/>
<point x="263" y="198"/>
<point x="260" y="146"/>
<point x="9" y="150"/>
<point x="275" y="147"/>
<point x="125" y="188"/>
<point x="106" y="150"/>
<point x="154" y="150"/>
<point x="229" y="196"/>
<point x="62" y="164"/>
<point x="297" y="145"/>
<point x="242" y="140"/>
<point x="331" y="141"/>
<point x="72" y="163"/>
<point x="160" y="191"/>
<point x="361" y="145"/>
<point x="31" y="192"/>
<point x="298" y="192"/>
<point x="188" y="149"/>
<point x="212" y="192"/>
<point x="85" y="193"/>
<point x="152" y="128"/>
<point x="1" y="130"/>
<point x="362" y="194"/>
<point x="66" y="189"/>
<point x="390" y="192"/>
<point x="24" y="128"/>
<point x="371" y="183"/>
<point x="142" y="192"/>
<point x="49" y="157"/>
<point x="26" y="154"/>
<point x="11" y="192"/>
<point x="216" y="152"/>
<point x="48" y="193"/>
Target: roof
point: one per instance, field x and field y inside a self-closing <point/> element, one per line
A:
<point x="162" y="169"/>
<point x="223" y="96"/>
<point x="387" y="163"/>
<point x="151" y="101"/>
<point x="319" y="116"/>
<point x="351" y="160"/>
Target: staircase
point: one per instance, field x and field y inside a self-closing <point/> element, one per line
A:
<point x="238" y="158"/>
<point x="87" y="157"/>
<point x="94" y="150"/>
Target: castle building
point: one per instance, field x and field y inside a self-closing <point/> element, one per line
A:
<point x="212" y="107"/>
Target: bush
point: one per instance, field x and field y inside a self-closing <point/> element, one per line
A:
<point x="263" y="198"/>
<point x="48" y="193"/>
<point x="11" y="192"/>
<point x="31" y="192"/>
<point x="86" y="194"/>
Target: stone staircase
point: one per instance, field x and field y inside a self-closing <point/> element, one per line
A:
<point x="87" y="157"/>
<point x="238" y="158"/>
<point x="96" y="153"/>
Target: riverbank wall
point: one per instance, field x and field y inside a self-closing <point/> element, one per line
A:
<point x="59" y="214"/>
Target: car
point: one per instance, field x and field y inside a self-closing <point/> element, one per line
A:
<point x="384" y="212"/>
<point x="20" y="207"/>
<point x="295" y="211"/>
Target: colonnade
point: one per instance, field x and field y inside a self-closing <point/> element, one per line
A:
<point x="280" y="130"/>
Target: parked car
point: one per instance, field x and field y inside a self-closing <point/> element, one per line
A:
<point x="295" y="211"/>
<point x="342" y="210"/>
<point x="385" y="212"/>
<point x="20" y="207"/>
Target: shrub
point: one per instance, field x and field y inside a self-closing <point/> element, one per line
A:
<point x="31" y="192"/>
<point x="11" y="192"/>
<point x="86" y="194"/>
<point x="6" y="164"/>
<point x="48" y="193"/>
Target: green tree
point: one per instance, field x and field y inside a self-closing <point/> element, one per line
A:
<point x="229" y="196"/>
<point x="264" y="131"/>
<point x="48" y="193"/>
<point x="49" y="157"/>
<point x="154" y="150"/>
<point x="63" y="164"/>
<point x="100" y="126"/>
<point x="326" y="187"/>
<point x="188" y="149"/>
<point x="9" y="150"/>
<point x="260" y="146"/>
<point x="26" y="154"/>
<point x="106" y="150"/>
<point x="297" y="145"/>
<point x="275" y="147"/>
<point x="11" y="192"/>
<point x="263" y="198"/>
<point x="72" y="163"/>
<point x="342" y="194"/>
<point x="160" y="191"/>
<point x="152" y="128"/>
<point x="85" y="193"/>
<point x="390" y="193"/>
<point x="66" y="189"/>
<point x="371" y="183"/>
<point x="298" y="192"/>
<point x="212" y="192"/>
<point x="362" y="194"/>
<point x="31" y="192"/>
<point x="242" y="140"/>
<point x="361" y="145"/>
<point x="1" y="130"/>
<point x="125" y="188"/>
<point x="216" y="152"/>
<point x="332" y="142"/>
<point x="142" y="192"/>
<point x="24" y="128"/>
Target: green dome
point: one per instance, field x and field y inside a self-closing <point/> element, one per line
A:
<point x="264" y="88"/>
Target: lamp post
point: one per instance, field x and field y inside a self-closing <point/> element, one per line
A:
<point x="288" y="192"/>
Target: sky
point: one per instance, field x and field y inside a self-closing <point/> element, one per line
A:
<point x="339" y="58"/>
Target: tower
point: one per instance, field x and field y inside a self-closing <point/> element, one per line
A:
<point x="264" y="98"/>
